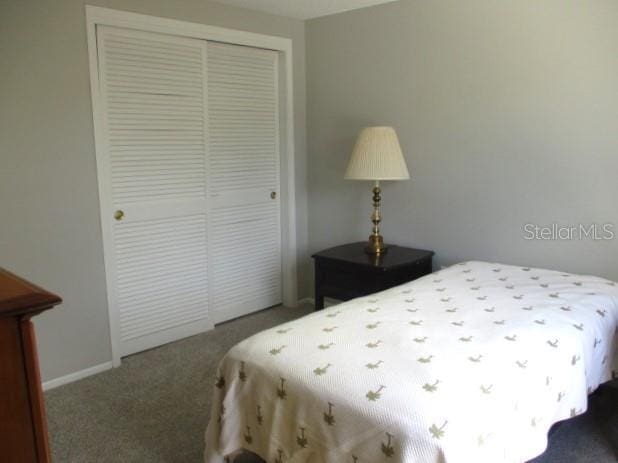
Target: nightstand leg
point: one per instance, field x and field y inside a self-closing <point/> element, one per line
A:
<point x="317" y="281"/>
<point x="319" y="301"/>
<point x="319" y="298"/>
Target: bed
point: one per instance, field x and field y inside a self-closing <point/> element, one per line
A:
<point x="471" y="363"/>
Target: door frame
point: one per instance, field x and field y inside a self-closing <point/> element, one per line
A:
<point x="98" y="16"/>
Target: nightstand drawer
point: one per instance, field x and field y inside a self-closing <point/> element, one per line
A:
<point x="347" y="272"/>
<point x="343" y="282"/>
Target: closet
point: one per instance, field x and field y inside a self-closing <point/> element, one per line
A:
<point x="188" y="162"/>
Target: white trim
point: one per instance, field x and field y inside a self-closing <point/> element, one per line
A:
<point x="328" y="302"/>
<point x="76" y="376"/>
<point x="108" y="17"/>
<point x="288" y="187"/>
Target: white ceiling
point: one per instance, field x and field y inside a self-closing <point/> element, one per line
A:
<point x="302" y="9"/>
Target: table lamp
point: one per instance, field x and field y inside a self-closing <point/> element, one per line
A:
<point x="377" y="156"/>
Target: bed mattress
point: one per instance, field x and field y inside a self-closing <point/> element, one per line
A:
<point x="472" y="363"/>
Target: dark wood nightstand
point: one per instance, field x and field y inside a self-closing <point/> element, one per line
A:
<point x="345" y="272"/>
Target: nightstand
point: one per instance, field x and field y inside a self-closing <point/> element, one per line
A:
<point x="345" y="272"/>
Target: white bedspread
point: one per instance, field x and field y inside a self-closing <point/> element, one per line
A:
<point x="470" y="364"/>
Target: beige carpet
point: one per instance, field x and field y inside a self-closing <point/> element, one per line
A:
<point x="154" y="408"/>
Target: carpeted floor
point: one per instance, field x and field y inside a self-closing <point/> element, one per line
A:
<point x="155" y="407"/>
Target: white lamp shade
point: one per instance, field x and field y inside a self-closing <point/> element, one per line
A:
<point x="377" y="156"/>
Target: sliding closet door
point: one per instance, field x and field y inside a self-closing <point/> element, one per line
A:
<point x="153" y="185"/>
<point x="243" y="166"/>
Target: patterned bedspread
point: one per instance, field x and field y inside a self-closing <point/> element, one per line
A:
<point x="470" y="364"/>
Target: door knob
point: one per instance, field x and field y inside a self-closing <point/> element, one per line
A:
<point x="273" y="194"/>
<point x="118" y="215"/>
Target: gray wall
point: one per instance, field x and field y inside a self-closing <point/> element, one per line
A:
<point x="50" y="227"/>
<point x="507" y="113"/>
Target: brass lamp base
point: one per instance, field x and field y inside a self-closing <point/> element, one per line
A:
<point x="375" y="245"/>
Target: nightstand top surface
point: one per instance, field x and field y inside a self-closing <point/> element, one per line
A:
<point x="354" y="253"/>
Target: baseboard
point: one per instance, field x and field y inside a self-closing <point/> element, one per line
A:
<point x="306" y="300"/>
<point x="81" y="374"/>
<point x="327" y="301"/>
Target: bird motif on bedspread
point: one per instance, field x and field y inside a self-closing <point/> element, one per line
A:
<point x="501" y="339"/>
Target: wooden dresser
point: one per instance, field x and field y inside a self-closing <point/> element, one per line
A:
<point x="23" y="427"/>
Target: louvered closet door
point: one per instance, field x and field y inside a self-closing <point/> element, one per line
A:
<point x="153" y="91"/>
<point x="243" y="153"/>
